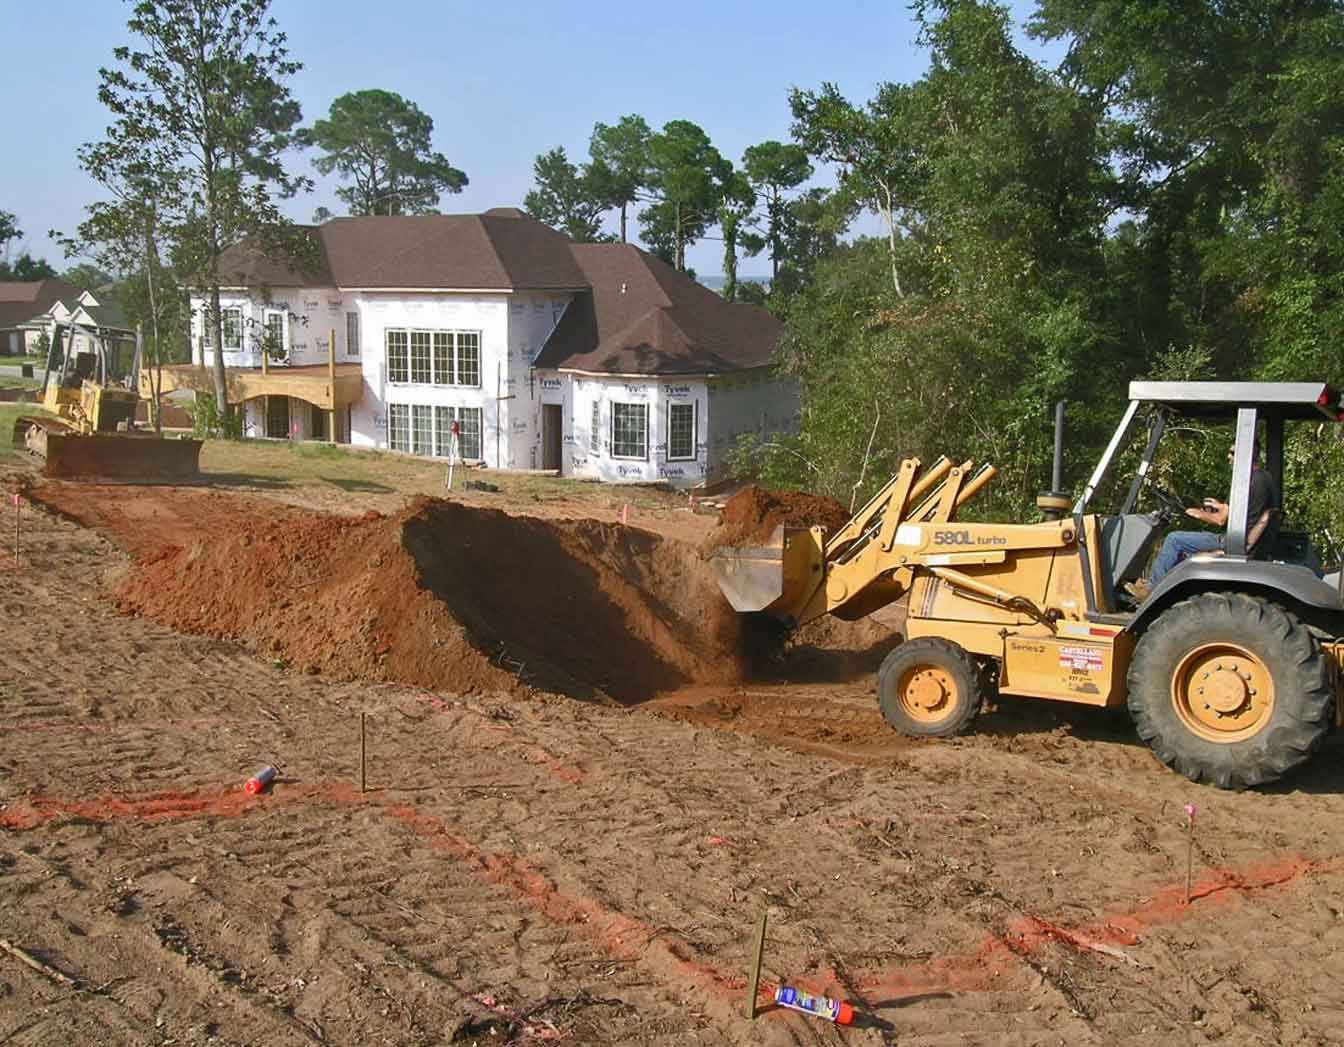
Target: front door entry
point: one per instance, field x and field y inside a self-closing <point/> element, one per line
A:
<point x="277" y="417"/>
<point x="551" y="420"/>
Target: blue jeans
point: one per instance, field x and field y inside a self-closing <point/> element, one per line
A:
<point x="1180" y="545"/>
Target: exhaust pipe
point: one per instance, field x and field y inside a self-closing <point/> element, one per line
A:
<point x="1055" y="503"/>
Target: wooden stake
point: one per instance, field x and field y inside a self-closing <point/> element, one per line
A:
<point x="27" y="958"/>
<point x="18" y="510"/>
<point x="362" y="779"/>
<point x="1189" y="849"/>
<point x="757" y="954"/>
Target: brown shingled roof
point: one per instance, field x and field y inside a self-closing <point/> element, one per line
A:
<point x="23" y="300"/>
<point x="500" y="250"/>
<point x="644" y="317"/>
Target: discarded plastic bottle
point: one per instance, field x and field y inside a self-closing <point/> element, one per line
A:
<point x="818" y="1006"/>
<point x="260" y="781"/>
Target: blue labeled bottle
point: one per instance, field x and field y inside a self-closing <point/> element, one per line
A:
<point x="818" y="1006"/>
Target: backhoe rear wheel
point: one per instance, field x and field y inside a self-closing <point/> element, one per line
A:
<point x="1230" y="689"/>
<point x="929" y="688"/>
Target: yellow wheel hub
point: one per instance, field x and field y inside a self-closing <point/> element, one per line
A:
<point x="1223" y="692"/>
<point x="928" y="693"/>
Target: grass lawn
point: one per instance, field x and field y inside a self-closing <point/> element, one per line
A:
<point x="328" y="472"/>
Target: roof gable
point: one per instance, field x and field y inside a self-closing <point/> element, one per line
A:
<point x="641" y="316"/>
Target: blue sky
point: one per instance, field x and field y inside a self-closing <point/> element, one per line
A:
<point x="503" y="81"/>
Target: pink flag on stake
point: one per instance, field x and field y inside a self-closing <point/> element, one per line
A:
<point x="1190" y="810"/>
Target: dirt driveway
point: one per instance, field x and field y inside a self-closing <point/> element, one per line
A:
<point x="527" y="867"/>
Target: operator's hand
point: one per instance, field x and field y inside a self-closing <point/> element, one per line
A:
<point x="1196" y="514"/>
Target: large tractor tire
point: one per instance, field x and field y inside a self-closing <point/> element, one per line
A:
<point x="929" y="688"/>
<point x="1230" y="689"/>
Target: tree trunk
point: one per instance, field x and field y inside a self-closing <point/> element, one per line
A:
<point x="889" y="215"/>
<point x="680" y="253"/>
<point x="622" y="222"/>
<point x="730" y="260"/>
<point x="221" y="379"/>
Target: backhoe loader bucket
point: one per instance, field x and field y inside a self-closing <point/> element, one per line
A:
<point x="751" y="577"/>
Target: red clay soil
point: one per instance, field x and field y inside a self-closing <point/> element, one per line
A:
<point x="751" y="515"/>
<point x="442" y="595"/>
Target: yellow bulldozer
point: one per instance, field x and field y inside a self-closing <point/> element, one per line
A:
<point x="1230" y="666"/>
<point x="90" y="434"/>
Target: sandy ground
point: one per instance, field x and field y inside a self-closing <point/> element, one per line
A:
<point x="529" y="868"/>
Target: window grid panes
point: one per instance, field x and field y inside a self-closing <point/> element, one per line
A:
<point x="630" y="430"/>
<point x="233" y="328"/>
<point x="595" y="434"/>
<point x="398" y="427"/>
<point x="422" y="429"/>
<point x="443" y="358"/>
<point x="207" y="330"/>
<point x="398" y="365"/>
<point x="681" y="431"/>
<point x="468" y="358"/>
<point x="420" y="356"/>
<point x="274" y="336"/>
<point x="351" y="334"/>
<point x="469" y="437"/>
<point x="437" y="357"/>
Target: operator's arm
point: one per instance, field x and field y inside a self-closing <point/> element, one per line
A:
<point x="1258" y="528"/>
<point x="1214" y="513"/>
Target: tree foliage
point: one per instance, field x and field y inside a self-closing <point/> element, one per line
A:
<point x="619" y="169"/>
<point x="687" y="178"/>
<point x="565" y="198"/>
<point x="381" y="144"/>
<point x="1168" y="201"/>
<point x="202" y="116"/>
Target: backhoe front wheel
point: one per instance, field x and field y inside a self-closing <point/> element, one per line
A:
<point x="929" y="688"/>
<point x="1230" y="689"/>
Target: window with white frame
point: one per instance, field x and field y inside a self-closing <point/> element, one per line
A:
<point x="273" y="333"/>
<point x="398" y="356"/>
<point x="399" y="427"/>
<point x="469" y="432"/>
<point x="630" y="431"/>
<point x="207" y="330"/>
<point x="595" y="434"/>
<point x="422" y="430"/>
<point x="443" y="358"/>
<point x="434" y="357"/>
<point x="681" y="432"/>
<point x="420" y="370"/>
<point x="352" y="334"/>
<point x="233" y="328"/>
<point x="468" y="358"/>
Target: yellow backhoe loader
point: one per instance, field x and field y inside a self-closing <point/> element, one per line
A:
<point x="1230" y="667"/>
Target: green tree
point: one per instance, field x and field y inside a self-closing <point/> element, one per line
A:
<point x="26" y="268"/>
<point x="619" y="170"/>
<point x="9" y="230"/>
<point x="202" y="105"/>
<point x="381" y="144"/>
<point x="687" y="178"/>
<point x="774" y="169"/>
<point x="736" y="204"/>
<point x="564" y="198"/>
<point x="875" y="148"/>
<point x="88" y="276"/>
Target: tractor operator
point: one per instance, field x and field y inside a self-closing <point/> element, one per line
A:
<point x="1261" y="505"/>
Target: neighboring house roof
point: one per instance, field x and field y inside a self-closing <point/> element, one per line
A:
<point x="643" y="317"/>
<point x="501" y="250"/>
<point x="21" y="301"/>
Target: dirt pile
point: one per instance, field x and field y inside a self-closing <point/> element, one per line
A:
<point x="447" y="596"/>
<point x="751" y="516"/>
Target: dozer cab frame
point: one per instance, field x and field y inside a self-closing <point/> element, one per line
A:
<point x="1230" y="668"/>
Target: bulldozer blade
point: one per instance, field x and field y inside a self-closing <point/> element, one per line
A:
<point x="751" y="577"/>
<point x="121" y="457"/>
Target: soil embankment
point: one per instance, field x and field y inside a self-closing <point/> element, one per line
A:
<point x="441" y="595"/>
